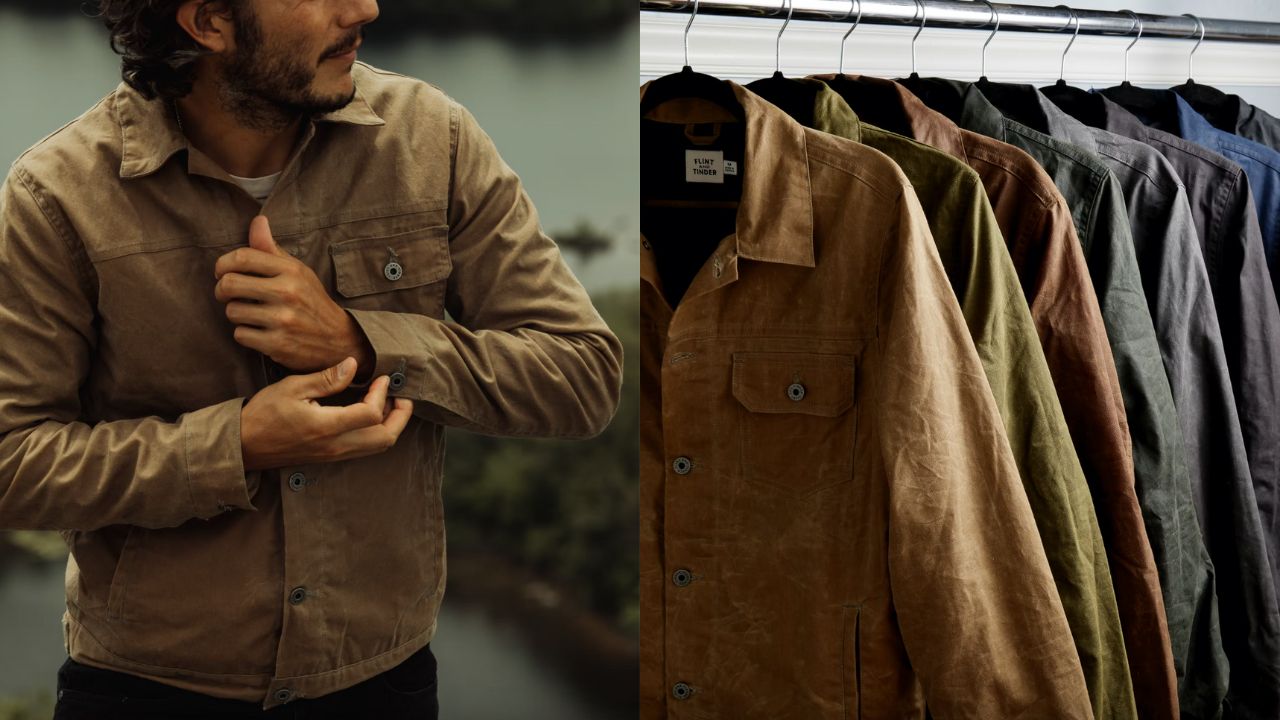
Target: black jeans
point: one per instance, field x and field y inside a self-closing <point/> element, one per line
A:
<point x="406" y="691"/>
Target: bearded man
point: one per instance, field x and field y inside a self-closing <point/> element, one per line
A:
<point x="237" y="424"/>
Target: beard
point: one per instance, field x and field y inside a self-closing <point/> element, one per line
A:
<point x="266" y="88"/>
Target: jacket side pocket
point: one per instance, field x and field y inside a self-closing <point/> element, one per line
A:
<point x="120" y="578"/>
<point x="851" y="662"/>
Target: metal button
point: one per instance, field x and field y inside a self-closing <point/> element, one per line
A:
<point x="297" y="595"/>
<point x="681" y="691"/>
<point x="682" y="465"/>
<point x="681" y="577"/>
<point x="795" y="391"/>
<point x="393" y="271"/>
<point x="284" y="695"/>
<point x="397" y="380"/>
<point x="297" y="481"/>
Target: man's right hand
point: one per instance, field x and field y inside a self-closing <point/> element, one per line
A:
<point x="283" y="424"/>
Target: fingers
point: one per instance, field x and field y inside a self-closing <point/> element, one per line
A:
<point x="260" y="237"/>
<point x="238" y="286"/>
<point x="247" y="313"/>
<point x="251" y="260"/>
<point x="364" y="414"/>
<point x="253" y="338"/>
<point x="326" y="382"/>
<point x="382" y="436"/>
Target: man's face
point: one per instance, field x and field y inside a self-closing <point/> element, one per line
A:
<point x="289" y="57"/>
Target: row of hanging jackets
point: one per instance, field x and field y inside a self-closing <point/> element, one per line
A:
<point x="959" y="400"/>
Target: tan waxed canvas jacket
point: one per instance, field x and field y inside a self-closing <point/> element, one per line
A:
<point x="121" y="385"/>
<point x="832" y="521"/>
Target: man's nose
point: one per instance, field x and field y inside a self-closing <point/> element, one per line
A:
<point x="359" y="12"/>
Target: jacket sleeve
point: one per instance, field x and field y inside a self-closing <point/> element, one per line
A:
<point x="979" y="613"/>
<point x="525" y="353"/>
<point x="57" y="471"/>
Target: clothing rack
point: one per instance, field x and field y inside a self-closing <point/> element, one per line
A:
<point x="965" y="14"/>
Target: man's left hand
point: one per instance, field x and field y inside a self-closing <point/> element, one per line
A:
<point x="281" y="309"/>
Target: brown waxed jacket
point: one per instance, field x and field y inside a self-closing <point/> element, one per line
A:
<point x="832" y="522"/>
<point x="121" y="385"/>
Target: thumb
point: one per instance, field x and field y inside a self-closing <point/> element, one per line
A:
<point x="260" y="236"/>
<point x="331" y="380"/>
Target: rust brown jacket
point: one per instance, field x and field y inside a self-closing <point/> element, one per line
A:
<point x="832" y="522"/>
<point x="121" y="385"/>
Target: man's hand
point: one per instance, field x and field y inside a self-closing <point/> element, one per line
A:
<point x="281" y="309"/>
<point x="283" y="424"/>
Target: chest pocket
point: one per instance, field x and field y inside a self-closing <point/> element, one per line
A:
<point x="404" y="272"/>
<point x="797" y="419"/>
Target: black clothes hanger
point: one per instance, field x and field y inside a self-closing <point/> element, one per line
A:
<point x="690" y="84"/>
<point x="920" y="7"/>
<point x="1062" y="63"/>
<point x="936" y="93"/>
<point x="1089" y="108"/>
<point x="991" y="8"/>
<point x="794" y="97"/>
<point x="1015" y="101"/>
<point x="682" y="221"/>
<point x="1156" y="108"/>
<point x="1219" y="108"/>
<point x="873" y="102"/>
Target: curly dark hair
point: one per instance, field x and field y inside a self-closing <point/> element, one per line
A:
<point x="158" y="58"/>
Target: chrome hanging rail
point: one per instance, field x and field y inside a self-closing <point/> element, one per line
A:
<point x="976" y="15"/>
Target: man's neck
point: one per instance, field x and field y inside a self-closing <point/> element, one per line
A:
<point x="242" y="151"/>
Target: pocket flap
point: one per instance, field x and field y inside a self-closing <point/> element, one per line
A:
<point x="792" y="382"/>
<point x="392" y="262"/>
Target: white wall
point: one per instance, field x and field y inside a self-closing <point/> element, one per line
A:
<point x="743" y="49"/>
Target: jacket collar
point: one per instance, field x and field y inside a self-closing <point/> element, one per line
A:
<point x="775" y="212"/>
<point x="150" y="134"/>
<point x="923" y="123"/>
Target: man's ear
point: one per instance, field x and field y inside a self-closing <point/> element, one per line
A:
<point x="209" y="23"/>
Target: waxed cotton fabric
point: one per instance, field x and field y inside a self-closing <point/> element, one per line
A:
<point x="121" y="385"/>
<point x="863" y="545"/>
<point x="1037" y="226"/>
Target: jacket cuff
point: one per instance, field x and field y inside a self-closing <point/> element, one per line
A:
<point x="216" y="476"/>
<point x="393" y="347"/>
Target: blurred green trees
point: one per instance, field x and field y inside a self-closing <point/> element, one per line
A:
<point x="565" y="509"/>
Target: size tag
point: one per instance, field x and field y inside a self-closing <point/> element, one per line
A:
<point x="704" y="166"/>
<point x="730" y="167"/>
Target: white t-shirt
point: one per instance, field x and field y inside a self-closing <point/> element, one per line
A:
<point x="260" y="187"/>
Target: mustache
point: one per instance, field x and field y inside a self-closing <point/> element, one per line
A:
<point x="344" y="45"/>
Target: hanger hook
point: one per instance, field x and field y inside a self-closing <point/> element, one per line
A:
<point x="850" y="32"/>
<point x="921" y="8"/>
<point x="1062" y="64"/>
<point x="1137" y="21"/>
<point x="996" y="29"/>
<point x="1192" y="56"/>
<point x="777" y="48"/>
<point x="686" y="32"/>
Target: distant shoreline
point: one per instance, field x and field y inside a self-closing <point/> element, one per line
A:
<point x="539" y="21"/>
